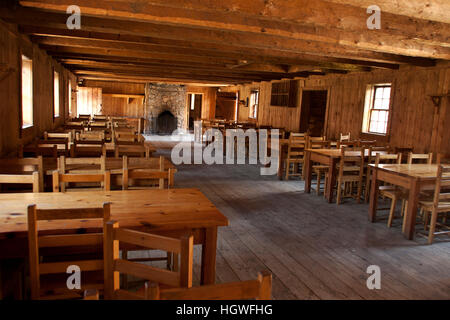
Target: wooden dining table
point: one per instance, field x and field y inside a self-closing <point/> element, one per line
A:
<point x="169" y="212"/>
<point x="329" y="157"/>
<point x="412" y="177"/>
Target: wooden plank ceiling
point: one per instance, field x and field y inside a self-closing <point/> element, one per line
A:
<point x="233" y="41"/>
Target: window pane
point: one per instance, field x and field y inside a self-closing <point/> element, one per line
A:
<point x="378" y="93"/>
<point x="56" y="93"/>
<point x="27" y="92"/>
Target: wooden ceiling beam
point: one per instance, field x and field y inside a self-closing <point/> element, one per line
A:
<point x="250" y="54"/>
<point x="303" y="49"/>
<point x="319" y="20"/>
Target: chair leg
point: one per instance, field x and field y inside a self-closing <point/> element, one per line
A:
<point x="434" y="215"/>
<point x="425" y="219"/>
<point x="359" y="191"/>
<point x="287" y="170"/>
<point x="392" y="212"/>
<point x="318" y="182"/>
<point x="367" y="188"/>
<point x="124" y="275"/>
<point x="338" y="197"/>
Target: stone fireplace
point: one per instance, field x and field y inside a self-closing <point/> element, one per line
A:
<point x="165" y="108"/>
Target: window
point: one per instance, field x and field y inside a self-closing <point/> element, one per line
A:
<point x="254" y="101"/>
<point x="56" y="94"/>
<point x="27" y="92"/>
<point x="69" y="95"/>
<point x="377" y="108"/>
<point x="192" y="101"/>
<point x="284" y="94"/>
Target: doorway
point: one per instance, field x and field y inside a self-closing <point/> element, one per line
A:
<point x="226" y="105"/>
<point x="313" y="112"/>
<point x="195" y="108"/>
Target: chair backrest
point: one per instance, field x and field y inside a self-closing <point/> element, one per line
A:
<point x="441" y="193"/>
<point x="351" y="156"/>
<point x="114" y="266"/>
<point x="373" y="152"/>
<point x="367" y="143"/>
<point x="344" y="137"/>
<point x="36" y="242"/>
<point x="82" y="165"/>
<point x="145" y="174"/>
<point x="132" y="150"/>
<point x="297" y="145"/>
<point x="32" y="179"/>
<point x="84" y="116"/>
<point x="98" y="136"/>
<point x="60" y="179"/>
<point x="24" y="165"/>
<point x="54" y="142"/>
<point x="259" y="289"/>
<point x="88" y="149"/>
<point x="443" y="158"/>
<point x="347" y="144"/>
<point x="49" y="151"/>
<point x="318" y="144"/>
<point x="58" y="135"/>
<point x="388" y="158"/>
<point x="420" y="158"/>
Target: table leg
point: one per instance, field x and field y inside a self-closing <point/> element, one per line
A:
<point x="281" y="160"/>
<point x="411" y="212"/>
<point x="308" y="171"/>
<point x="331" y="179"/>
<point x="373" y="196"/>
<point x="209" y="247"/>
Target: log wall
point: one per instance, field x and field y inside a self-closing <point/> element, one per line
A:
<point x="12" y="46"/>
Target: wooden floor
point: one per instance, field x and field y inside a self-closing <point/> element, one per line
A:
<point x="314" y="250"/>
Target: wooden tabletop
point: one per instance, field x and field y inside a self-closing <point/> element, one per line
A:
<point x="168" y="209"/>
<point x="336" y="153"/>
<point x="422" y="171"/>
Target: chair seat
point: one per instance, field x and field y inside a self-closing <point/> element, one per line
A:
<point x="320" y="167"/>
<point x="295" y="160"/>
<point x="428" y="205"/>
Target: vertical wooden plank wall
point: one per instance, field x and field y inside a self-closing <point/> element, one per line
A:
<point x="415" y="120"/>
<point x="12" y="44"/>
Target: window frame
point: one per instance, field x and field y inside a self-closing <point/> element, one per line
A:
<point x="253" y="91"/>
<point x="369" y="107"/>
<point x="21" y="107"/>
<point x="55" y="116"/>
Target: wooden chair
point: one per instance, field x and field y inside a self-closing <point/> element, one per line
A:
<point x="388" y="191"/>
<point x="420" y="158"/>
<point x="24" y="165"/>
<point x="84" y="116"/>
<point x="82" y="165"/>
<point x="145" y="174"/>
<point x="259" y="289"/>
<point x="319" y="169"/>
<point x="40" y="267"/>
<point x="351" y="170"/>
<point x="296" y="154"/>
<point x="59" y="135"/>
<point x="114" y="266"/>
<point x="344" y="137"/>
<point x="60" y="179"/>
<point x="88" y="149"/>
<point x="371" y="160"/>
<point x="132" y="150"/>
<point x="97" y="136"/>
<point x="32" y="179"/>
<point x="366" y="143"/>
<point x="47" y="151"/>
<point x="439" y="206"/>
<point x="347" y="144"/>
<point x="443" y="158"/>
